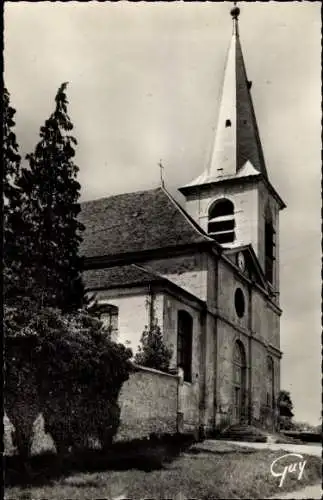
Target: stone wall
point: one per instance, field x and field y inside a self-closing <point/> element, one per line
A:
<point x="148" y="401"/>
<point x="228" y="283"/>
<point x="172" y="306"/>
<point x="189" y="391"/>
<point x="187" y="271"/>
<point x="258" y="331"/>
<point x="265" y="320"/>
<point x="227" y="336"/>
<point x="209" y="354"/>
<point x="259" y="376"/>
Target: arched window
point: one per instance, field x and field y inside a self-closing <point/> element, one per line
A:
<point x="221" y="221"/>
<point x="184" y="343"/>
<point x="269" y="246"/>
<point x="109" y="315"/>
<point x="270" y="383"/>
<point x="239" y="381"/>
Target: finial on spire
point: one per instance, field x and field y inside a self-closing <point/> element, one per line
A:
<point x="235" y="12"/>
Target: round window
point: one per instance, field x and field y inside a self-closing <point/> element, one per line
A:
<point x="239" y="302"/>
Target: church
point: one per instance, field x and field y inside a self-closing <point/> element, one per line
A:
<point x="206" y="271"/>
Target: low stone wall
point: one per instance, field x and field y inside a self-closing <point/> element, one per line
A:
<point x="148" y="402"/>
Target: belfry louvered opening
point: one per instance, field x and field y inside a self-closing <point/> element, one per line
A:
<point x="270" y="245"/>
<point x="221" y="223"/>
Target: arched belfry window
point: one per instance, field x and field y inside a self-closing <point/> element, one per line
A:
<point x="239" y="381"/>
<point x="221" y="222"/>
<point x="269" y="246"/>
<point x="270" y="383"/>
<point x="109" y="315"/>
<point x="184" y="343"/>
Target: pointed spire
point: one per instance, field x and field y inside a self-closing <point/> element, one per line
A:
<point x="237" y="149"/>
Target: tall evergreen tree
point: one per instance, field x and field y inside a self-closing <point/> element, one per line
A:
<point x="11" y="157"/>
<point x="52" y="231"/>
<point x="12" y="200"/>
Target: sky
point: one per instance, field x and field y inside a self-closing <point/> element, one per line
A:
<point x="144" y="85"/>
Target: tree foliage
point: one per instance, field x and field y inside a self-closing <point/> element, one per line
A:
<point x="11" y="157"/>
<point x="72" y="352"/>
<point x="12" y="248"/>
<point x="71" y="371"/>
<point x="285" y="404"/>
<point x="153" y="352"/>
<point x="50" y="230"/>
<point x="285" y="407"/>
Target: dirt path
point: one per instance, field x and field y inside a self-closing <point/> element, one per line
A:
<point x="309" y="492"/>
<point x="307" y="449"/>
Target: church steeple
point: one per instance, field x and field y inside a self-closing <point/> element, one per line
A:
<point x="233" y="200"/>
<point x="237" y="149"/>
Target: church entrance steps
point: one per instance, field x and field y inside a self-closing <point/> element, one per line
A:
<point x="243" y="432"/>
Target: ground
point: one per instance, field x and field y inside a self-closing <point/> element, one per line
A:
<point x="226" y="471"/>
<point x="312" y="492"/>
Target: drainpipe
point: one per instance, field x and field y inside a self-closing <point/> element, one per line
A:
<point x="151" y="310"/>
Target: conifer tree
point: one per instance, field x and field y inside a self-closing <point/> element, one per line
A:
<point x="153" y="352"/>
<point x="52" y="232"/>
<point x="12" y="248"/>
<point x="11" y="157"/>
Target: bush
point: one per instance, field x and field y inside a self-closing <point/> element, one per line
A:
<point x="153" y="352"/>
<point x="72" y="370"/>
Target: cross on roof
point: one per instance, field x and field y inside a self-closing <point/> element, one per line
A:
<point x="161" y="166"/>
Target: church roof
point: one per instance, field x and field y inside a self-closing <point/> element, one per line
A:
<point x="130" y="275"/>
<point x="237" y="150"/>
<point x="118" y="276"/>
<point x="134" y="222"/>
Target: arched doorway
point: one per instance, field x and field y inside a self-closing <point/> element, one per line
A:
<point x="239" y="382"/>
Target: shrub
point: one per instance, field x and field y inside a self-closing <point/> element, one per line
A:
<point x="72" y="370"/>
<point x="153" y="352"/>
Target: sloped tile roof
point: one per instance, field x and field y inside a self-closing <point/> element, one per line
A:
<point x="128" y="276"/>
<point x="118" y="276"/>
<point x="131" y="222"/>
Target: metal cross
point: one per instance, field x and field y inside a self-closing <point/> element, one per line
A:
<point x="161" y="172"/>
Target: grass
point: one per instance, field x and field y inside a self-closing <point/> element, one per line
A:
<point x="227" y="472"/>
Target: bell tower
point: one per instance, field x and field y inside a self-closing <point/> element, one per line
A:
<point x="233" y="199"/>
